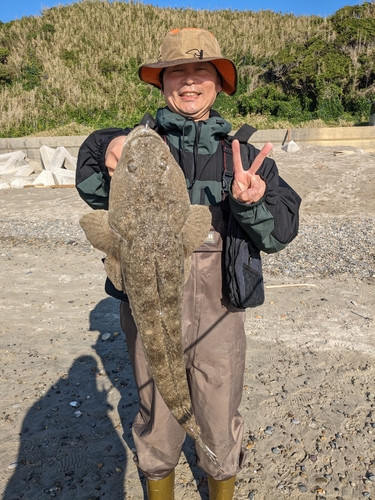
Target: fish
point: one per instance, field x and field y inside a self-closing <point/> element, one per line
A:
<point x="148" y="235"/>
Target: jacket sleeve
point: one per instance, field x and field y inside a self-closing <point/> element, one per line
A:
<point x="273" y="221"/>
<point x="92" y="179"/>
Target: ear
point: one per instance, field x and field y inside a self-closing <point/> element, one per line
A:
<point x="219" y="86"/>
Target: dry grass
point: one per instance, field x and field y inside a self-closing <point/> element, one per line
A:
<point x="84" y="58"/>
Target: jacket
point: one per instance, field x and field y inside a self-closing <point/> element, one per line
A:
<point x="198" y="147"/>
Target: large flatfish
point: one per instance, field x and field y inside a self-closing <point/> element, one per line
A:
<point x="148" y="234"/>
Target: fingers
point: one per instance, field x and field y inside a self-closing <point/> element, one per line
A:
<point x="260" y="157"/>
<point x="113" y="153"/>
<point x="252" y="192"/>
<point x="237" y="162"/>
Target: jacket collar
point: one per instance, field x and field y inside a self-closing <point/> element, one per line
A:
<point x="187" y="134"/>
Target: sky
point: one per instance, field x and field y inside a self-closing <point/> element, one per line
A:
<point x="16" y="9"/>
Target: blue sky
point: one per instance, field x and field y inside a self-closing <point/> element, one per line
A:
<point x="16" y="9"/>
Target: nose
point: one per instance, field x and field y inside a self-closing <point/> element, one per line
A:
<point x="189" y="76"/>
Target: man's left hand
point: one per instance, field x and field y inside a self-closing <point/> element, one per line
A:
<point x="247" y="186"/>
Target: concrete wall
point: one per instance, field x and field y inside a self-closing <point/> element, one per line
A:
<point x="31" y="145"/>
<point x="356" y="137"/>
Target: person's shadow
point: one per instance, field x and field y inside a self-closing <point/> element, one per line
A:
<point x="69" y="448"/>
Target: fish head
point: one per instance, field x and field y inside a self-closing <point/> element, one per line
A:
<point x="147" y="171"/>
<point x="145" y="156"/>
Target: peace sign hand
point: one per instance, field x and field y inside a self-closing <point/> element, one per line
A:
<point x="247" y="186"/>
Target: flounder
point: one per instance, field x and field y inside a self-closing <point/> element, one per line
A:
<point x="148" y="234"/>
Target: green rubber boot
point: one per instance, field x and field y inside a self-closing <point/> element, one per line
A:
<point x="161" y="489"/>
<point x="221" y="490"/>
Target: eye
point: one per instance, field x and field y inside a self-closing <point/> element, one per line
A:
<point x="132" y="167"/>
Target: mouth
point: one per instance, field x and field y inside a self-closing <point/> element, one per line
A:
<point x="190" y="94"/>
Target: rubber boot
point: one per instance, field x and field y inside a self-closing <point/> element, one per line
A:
<point x="161" y="489"/>
<point x="221" y="490"/>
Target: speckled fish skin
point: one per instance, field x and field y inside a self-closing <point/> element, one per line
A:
<point x="151" y="229"/>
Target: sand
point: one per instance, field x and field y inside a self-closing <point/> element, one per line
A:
<point x="67" y="392"/>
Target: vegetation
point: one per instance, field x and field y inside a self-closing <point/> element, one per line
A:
<point x="75" y="67"/>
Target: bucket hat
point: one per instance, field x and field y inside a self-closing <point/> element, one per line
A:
<point x="182" y="46"/>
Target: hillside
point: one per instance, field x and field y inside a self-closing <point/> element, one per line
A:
<point x="74" y="68"/>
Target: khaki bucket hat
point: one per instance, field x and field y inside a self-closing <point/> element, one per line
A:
<point x="182" y="46"/>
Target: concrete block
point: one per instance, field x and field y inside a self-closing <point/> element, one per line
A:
<point x="58" y="159"/>
<point x="5" y="157"/>
<point x="25" y="171"/>
<point x="70" y="161"/>
<point x="15" y="160"/>
<point x="4" y="185"/>
<point x="291" y="147"/>
<point x="64" y="177"/>
<point x="19" y="183"/>
<point x="45" y="178"/>
<point x="55" y="159"/>
<point x="46" y="155"/>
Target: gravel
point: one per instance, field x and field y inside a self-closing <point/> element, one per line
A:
<point x="325" y="247"/>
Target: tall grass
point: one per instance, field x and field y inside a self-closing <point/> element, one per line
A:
<point x="78" y="63"/>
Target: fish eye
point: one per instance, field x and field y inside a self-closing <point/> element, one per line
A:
<point x="132" y="167"/>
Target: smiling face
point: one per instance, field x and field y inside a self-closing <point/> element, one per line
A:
<point x="190" y="89"/>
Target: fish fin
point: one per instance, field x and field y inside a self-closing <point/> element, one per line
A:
<point x="113" y="269"/>
<point x="196" y="228"/>
<point x="100" y="234"/>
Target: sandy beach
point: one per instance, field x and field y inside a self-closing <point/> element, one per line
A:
<point x="67" y="396"/>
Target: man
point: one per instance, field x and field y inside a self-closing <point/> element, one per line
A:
<point x="190" y="73"/>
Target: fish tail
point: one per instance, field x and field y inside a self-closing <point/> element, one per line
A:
<point x="211" y="455"/>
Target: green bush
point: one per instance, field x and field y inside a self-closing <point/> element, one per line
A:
<point x="329" y="107"/>
<point x="31" y="73"/>
<point x="107" y="67"/>
<point x="5" y="75"/>
<point x="272" y="101"/>
<point x="359" y="106"/>
<point x="4" y="53"/>
<point x="70" y="57"/>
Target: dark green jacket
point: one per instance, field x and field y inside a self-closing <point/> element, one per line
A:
<point x="202" y="149"/>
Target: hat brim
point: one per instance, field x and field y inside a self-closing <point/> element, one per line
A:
<point x="150" y="73"/>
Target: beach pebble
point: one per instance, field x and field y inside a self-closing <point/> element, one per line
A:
<point x="276" y="450"/>
<point x="77" y="413"/>
<point x="302" y="487"/>
<point x="13" y="465"/>
<point x="269" y="430"/>
<point x="106" y="336"/>
<point x="75" y="404"/>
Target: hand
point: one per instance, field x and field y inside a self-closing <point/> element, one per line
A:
<point x="247" y="186"/>
<point x="113" y="153"/>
